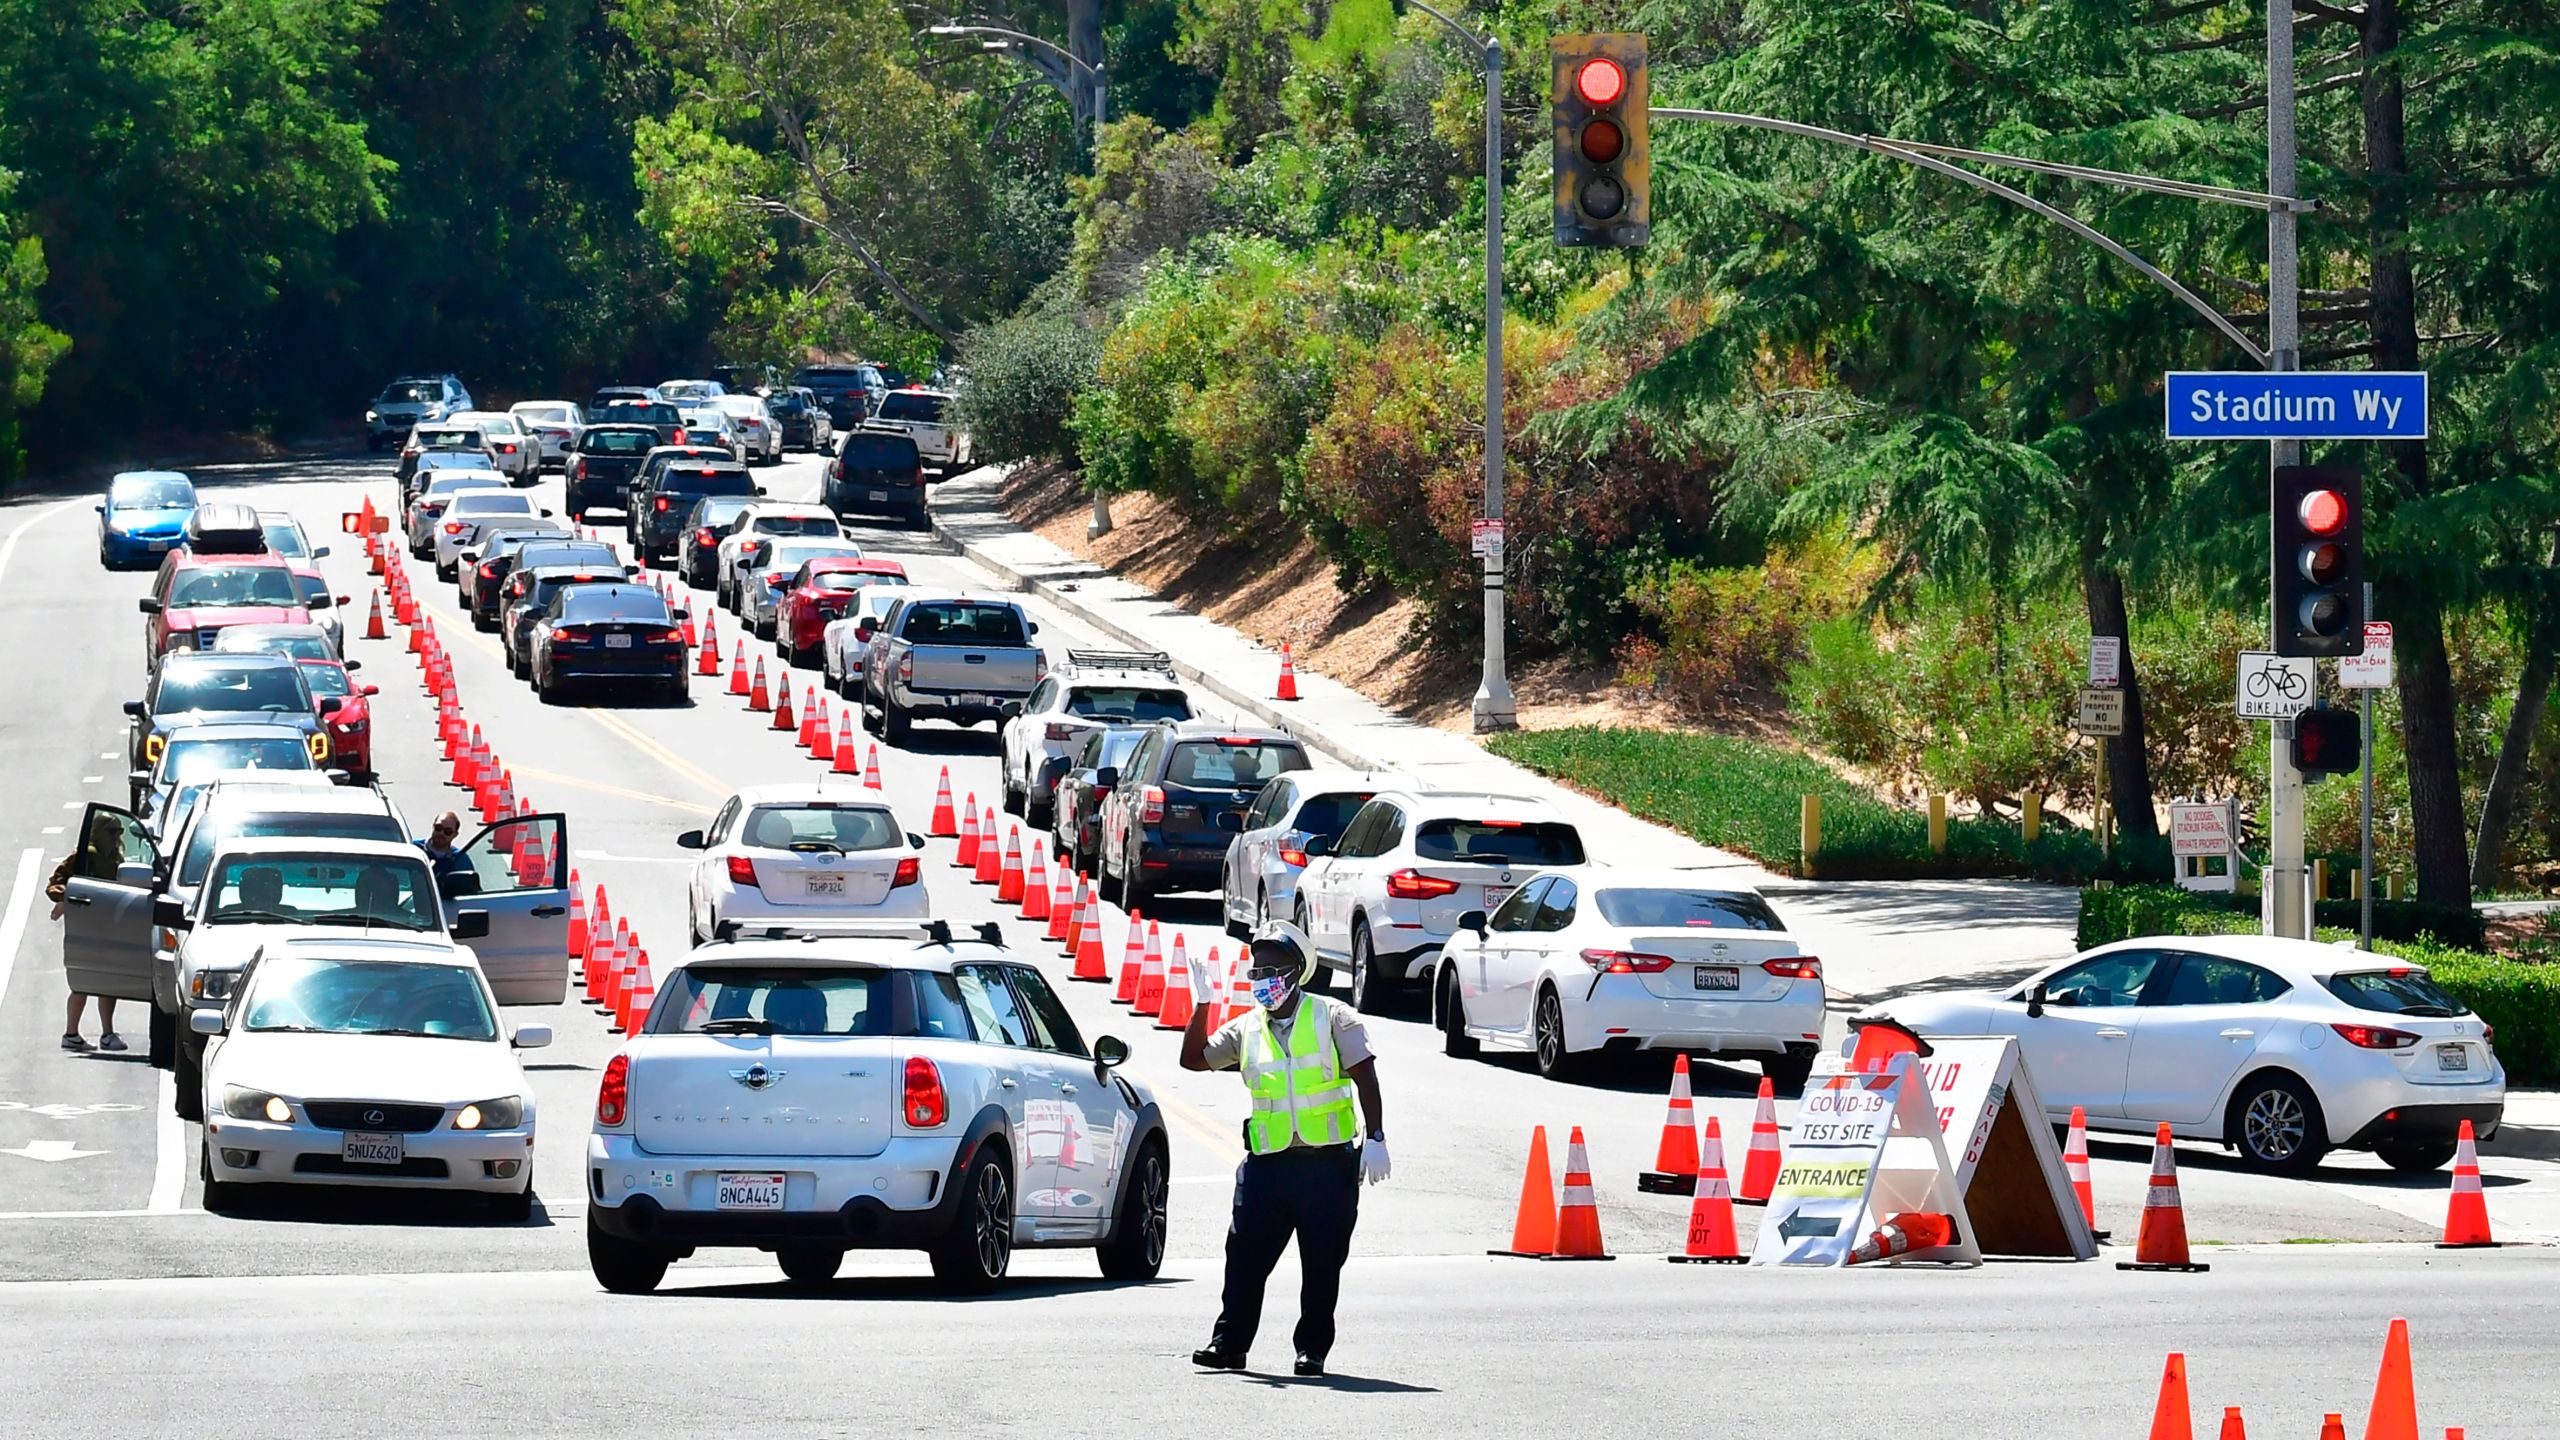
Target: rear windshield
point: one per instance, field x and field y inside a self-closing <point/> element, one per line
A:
<point x="821" y="827"/>
<point x="545" y="414"/>
<point x="1232" y="764"/>
<point x="540" y="554"/>
<point x="837" y="377"/>
<point x="879" y="452"/>
<point x="216" y="831"/>
<point x="459" y="438"/>
<point x="151" y="492"/>
<point x="1128" y="702"/>
<point x="641" y="412"/>
<point x="224" y="585"/>
<point x="490" y="502"/>
<point x="1499" y="842"/>
<point x="787" y="556"/>
<point x="1329" y="815"/>
<point x="275" y="689"/>
<point x="719" y="510"/>
<point x="2397" y="992"/>
<point x="833" y="1001"/>
<point x="240" y="640"/>
<point x="285" y="538"/>
<point x="618" y="442"/>
<point x="786" y="402"/>
<point x="843" y="580"/>
<point x="614" y="603"/>
<point x="797" y="525"/>
<point x="908" y="405"/>
<point x="1695" y="909"/>
<point x="959" y="622"/>
<point x="704" y="480"/>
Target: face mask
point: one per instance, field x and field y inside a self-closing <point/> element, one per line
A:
<point x="1272" y="991"/>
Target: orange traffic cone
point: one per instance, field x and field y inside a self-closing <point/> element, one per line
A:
<point x="944" y="824"/>
<point x="1760" y="1164"/>
<point x="1533" y="1227"/>
<point x="1010" y="880"/>
<point x="599" y="940"/>
<point x="1056" y="903"/>
<point x="2162" y="1243"/>
<point x="1902" y="1234"/>
<point x="1035" y="884"/>
<point x="1711" y="1240"/>
<point x="2233" y="1428"/>
<point x="2394" y="1415"/>
<point x="967" y="856"/>
<point x="847" y="752"/>
<point x="577" y="918"/>
<point x="1577" y="1213"/>
<point x="759" y="694"/>
<point x="463" y="756"/>
<point x="373" y="623"/>
<point x="1133" y="959"/>
<point x="2466" y="1219"/>
<point x="643" y="997"/>
<point x="1150" y="996"/>
<point x="1175" y="1013"/>
<point x="738" y="670"/>
<point x="2333" y="1427"/>
<point x="1288" y="687"/>
<point x="817" y="732"/>
<point x="684" y="628"/>
<point x="871" y="769"/>
<point x="533" y="860"/>
<point x="2172" y="1417"/>
<point x="1090" y="961"/>
<point x="707" y="661"/>
<point x="641" y="979"/>
<point x="784" y="718"/>
<point x="2075" y="1164"/>
<point x="1675" y="1160"/>
<point x="990" y="866"/>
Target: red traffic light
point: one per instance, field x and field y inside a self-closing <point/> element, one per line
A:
<point x="1600" y="81"/>
<point x="2324" y="512"/>
<point x="1602" y="141"/>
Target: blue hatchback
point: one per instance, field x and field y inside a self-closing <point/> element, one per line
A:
<point x="144" y="517"/>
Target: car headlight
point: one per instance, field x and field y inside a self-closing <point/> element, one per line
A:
<point x="372" y="417"/>
<point x="351" y="727"/>
<point x="213" y="986"/>
<point x="242" y="1103"/>
<point x="504" y="1113"/>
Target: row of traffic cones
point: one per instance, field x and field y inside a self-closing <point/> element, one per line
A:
<point x="2392" y="1416"/>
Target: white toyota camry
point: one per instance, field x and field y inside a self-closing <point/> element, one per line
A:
<point x="348" y="1061"/>
<point x="2280" y="1049"/>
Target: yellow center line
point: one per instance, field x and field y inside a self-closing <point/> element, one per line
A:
<point x="553" y="777"/>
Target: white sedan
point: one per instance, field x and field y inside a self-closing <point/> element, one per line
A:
<point x="1592" y="959"/>
<point x="793" y="853"/>
<point x="366" y="1062"/>
<point x="2279" y="1049"/>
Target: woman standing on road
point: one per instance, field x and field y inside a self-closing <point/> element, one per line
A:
<point x="106" y="841"/>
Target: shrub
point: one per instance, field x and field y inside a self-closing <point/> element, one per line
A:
<point x="1726" y="632"/>
<point x="1019" y="379"/>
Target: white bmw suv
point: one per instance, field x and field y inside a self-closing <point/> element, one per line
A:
<point x="1095" y="690"/>
<point x="811" y="1093"/>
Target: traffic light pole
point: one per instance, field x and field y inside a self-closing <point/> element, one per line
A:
<point x="2285" y="907"/>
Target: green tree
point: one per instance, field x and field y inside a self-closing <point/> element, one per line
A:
<point x="28" y="346"/>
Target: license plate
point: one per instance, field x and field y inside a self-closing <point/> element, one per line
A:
<point x="359" y="1147"/>
<point x="1716" y="977"/>
<point x="1496" y="894"/>
<point x="747" y="1192"/>
<point x="971" y="697"/>
<point x="824" y="886"/>
<point x="879" y="495"/>
<point x="2452" y="1057"/>
<point x="617" y="642"/>
<point x="159" y="544"/>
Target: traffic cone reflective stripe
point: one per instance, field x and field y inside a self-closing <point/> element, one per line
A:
<point x="2075" y="1163"/>
<point x="1060" y="902"/>
<point x="706" y="660"/>
<point x="944" y="824"/>
<point x="2466" y="1218"/>
<point x="967" y="856"/>
<point x="1760" y="1163"/>
<point x="818" y="732"/>
<point x="2394" y="1415"/>
<point x="1577" y="1210"/>
<point x="1175" y="1013"/>
<point x="1533" y="1225"/>
<point x="2172" y="1418"/>
<point x="1711" y="1237"/>
<point x="1009" y="876"/>
<point x="1903" y="1234"/>
<point x="1675" y="1160"/>
<point x="599" y="940"/>
<point x="1287" y="689"/>
<point x="577" y="918"/>
<point x="641" y="980"/>
<point x="2162" y="1243"/>
<point x="1150" y="996"/>
<point x="1133" y="958"/>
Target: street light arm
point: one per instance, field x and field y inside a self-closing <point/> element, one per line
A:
<point x="1051" y="46"/>
<point x="1481" y="43"/>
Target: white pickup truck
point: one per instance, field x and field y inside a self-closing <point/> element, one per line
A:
<point x="919" y="413"/>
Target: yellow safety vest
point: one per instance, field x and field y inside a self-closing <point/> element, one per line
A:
<point x="1298" y="1096"/>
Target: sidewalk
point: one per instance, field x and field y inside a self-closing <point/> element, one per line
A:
<point x="1872" y="936"/>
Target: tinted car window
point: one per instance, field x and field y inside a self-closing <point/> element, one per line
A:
<point x="879" y="452"/>
<point x="615" y="602"/>
<point x="797" y="525"/>
<point x="285" y="538"/>
<point x="910" y="405"/>
<point x="1128" y="702"/>
<point x="839" y="581"/>
<point x="1327" y="814"/>
<point x="617" y="442"/>
<point x="2397" y="992"/>
<point x="327" y="681"/>
<point x="2113" y="979"/>
<point x="959" y="622"/>
<point x="692" y="480"/>
<point x="1694" y="909"/>
<point x="1223" y="764"/>
<point x="1491" y="842"/>
<point x="1050" y="1023"/>
<point x="1521" y="910"/>
<point x="639" y="412"/>
<point x="1555" y="909"/>
<point x="2212" y="980"/>
<point x="832" y="1001"/>
<point x="993" y="1011"/>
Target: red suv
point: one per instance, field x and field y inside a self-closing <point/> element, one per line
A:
<point x="819" y="593"/>
<point x="197" y="595"/>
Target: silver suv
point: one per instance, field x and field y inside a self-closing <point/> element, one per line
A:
<point x="409" y="401"/>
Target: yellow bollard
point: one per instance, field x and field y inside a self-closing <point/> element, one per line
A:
<point x="2355" y="883"/>
<point x="2030" y="817"/>
<point x="1937" y="824"/>
<point x="2319" y="881"/>
<point x="1811" y="839"/>
<point x="2391" y="886"/>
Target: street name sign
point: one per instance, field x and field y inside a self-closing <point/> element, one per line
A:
<point x="2372" y="669"/>
<point x="2275" y="687"/>
<point x="2297" y="404"/>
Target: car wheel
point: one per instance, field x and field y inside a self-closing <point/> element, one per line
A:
<point x="517" y="1207"/>
<point x="1451" y="1012"/>
<point x="1554" y="1061"/>
<point x="1133" y="891"/>
<point x="894" y="726"/>
<point x="1791" y="1070"/>
<point x="809" y="1264"/>
<point x="870" y="717"/>
<point x="1135" y="1249"/>
<point x="163" y="1045"/>
<point x="973" y="1257"/>
<point x="1372" y="989"/>
<point x="1041" y="813"/>
<point x="802" y="657"/>
<point x="1012" y="797"/>
<point x="188" y="1063"/>
<point x="625" y="1267"/>
<point x="2275" y="1124"/>
<point x="221" y="1197"/>
<point x="546" y="689"/>
<point x="2416" y="1157"/>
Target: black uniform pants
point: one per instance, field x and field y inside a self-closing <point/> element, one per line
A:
<point x="1313" y="1194"/>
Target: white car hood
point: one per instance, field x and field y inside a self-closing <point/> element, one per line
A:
<point x="369" y="1067"/>
<point x="1951" y="1012"/>
<point x="228" y="947"/>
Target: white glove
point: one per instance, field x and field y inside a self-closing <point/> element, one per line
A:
<point x="1374" y="1168"/>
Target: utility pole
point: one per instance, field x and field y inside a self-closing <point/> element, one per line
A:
<point x="2364" y="928"/>
<point x="1494" y="707"/>
<point x="2285" y="907"/>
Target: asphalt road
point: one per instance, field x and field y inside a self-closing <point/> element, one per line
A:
<point x="97" y="1182"/>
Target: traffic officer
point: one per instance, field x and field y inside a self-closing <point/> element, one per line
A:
<point x="1303" y="1059"/>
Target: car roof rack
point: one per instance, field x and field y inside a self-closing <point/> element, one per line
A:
<point x="928" y="933"/>
<point x="1148" y="660"/>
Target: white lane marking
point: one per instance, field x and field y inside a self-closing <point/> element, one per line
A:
<point x="48" y="1151"/>
<point x="73" y="804"/>
<point x="53" y="829"/>
<point x="169" y="1150"/>
<point x="9" y="546"/>
<point x="72" y="1214"/>
<point x="13" y="924"/>
<point x="106" y="754"/>
<point x="636" y="859"/>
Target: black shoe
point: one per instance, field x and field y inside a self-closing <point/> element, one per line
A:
<point x="1308" y="1365"/>
<point x="1214" y="1359"/>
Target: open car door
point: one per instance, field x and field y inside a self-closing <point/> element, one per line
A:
<point x="520" y="876"/>
<point x="106" y="907"/>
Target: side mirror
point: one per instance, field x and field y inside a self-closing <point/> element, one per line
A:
<point x="205" y="1021"/>
<point x="532" y="1035"/>
<point x="1011" y="709"/>
<point x="2035" y="1000"/>
<point x="1107" y="778"/>
<point x="147" y="605"/>
<point x="690" y="840"/>
<point x="134" y="709"/>
<point x="1317" y="845"/>
<point x="1473" y="920"/>
<point x="915" y="840"/>
<point x="470" y="925"/>
<point x="331" y="705"/>
<point x="372" y="690"/>
<point x="545" y="514"/>
<point x="168" y="913"/>
<point x="863" y="631"/>
<point x="684" y="614"/>
<point x="762" y="491"/>
<point x="100" y="507"/>
<point x="352" y="666"/>
<point x="1035" y="627"/>
<point x="320" y="552"/>
<point x="1110" y="1051"/>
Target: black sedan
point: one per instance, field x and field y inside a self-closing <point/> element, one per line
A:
<point x="698" y="548"/>
<point x="485" y="584"/>
<point x="622" y="636"/>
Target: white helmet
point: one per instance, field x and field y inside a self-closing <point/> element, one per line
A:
<point x="1277" y="942"/>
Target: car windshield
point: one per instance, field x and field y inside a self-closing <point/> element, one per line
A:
<point x="188" y="762"/>
<point x="2398" y="991"/>
<point x="1128" y="703"/>
<point x="912" y="405"/>
<point x="1329" y="814"/>
<point x="879" y="452"/>
<point x="241" y="824"/>
<point x="410" y="392"/>
<point x="285" y="538"/>
<point x="215" y="586"/>
<point x="242" y="640"/>
<point x="618" y="442"/>
<point x="613" y="603"/>
<point x="151" y="492"/>
<point x="327" y="681"/>
<point x="819" y="825"/>
<point x="1233" y="764"/>
<point x="797" y="525"/>
<point x="544" y="414"/>
<point x="273" y="889"/>
<point x="501" y="425"/>
<point x="370" y="997"/>
<point x="736" y="1001"/>
<point x="1693" y="909"/>
<point x="961" y="622"/>
<point x="268" y="688"/>
<point x="1499" y="842"/>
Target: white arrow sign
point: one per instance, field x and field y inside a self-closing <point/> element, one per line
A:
<point x="49" y="1151"/>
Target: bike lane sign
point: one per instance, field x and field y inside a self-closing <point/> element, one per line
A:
<point x="2276" y="687"/>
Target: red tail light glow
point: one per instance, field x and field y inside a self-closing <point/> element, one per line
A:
<point x="667" y="637"/>
<point x="570" y="635"/>
<point x="742" y="871"/>
<point x="909" y="873"/>
<point x="454" y="527"/>
<point x="2375" y="1037"/>
<point x="1794" y="967"/>
<point x="613" y="1095"/>
<point x="1414" y="885"/>
<point x="907" y="668"/>
<point x="1294" y="858"/>
<point x="1151" y="805"/>
<point x="922" y="1101"/>
<point x="1626" y="962"/>
<point x="680" y="435"/>
<point x="579" y="470"/>
<point x="662" y="503"/>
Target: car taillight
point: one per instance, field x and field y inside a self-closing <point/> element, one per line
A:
<point x="662" y="503"/>
<point x="742" y="871"/>
<point x="1296" y="858"/>
<point x="909" y="873"/>
<point x="704" y="538"/>
<point x="506" y="447"/>
<point x="2375" y="1037"/>
<point x="570" y="635"/>
<point x="923" y="1101"/>
<point x="667" y="637"/>
<point x="835" y="469"/>
<point x="1414" y="885"/>
<point x="907" y="668"/>
<point x="1060" y="730"/>
<point x="1794" y="967"/>
<point x="680" y="435"/>
<point x="613" y="1093"/>
<point x="489" y="570"/>
<point x="579" y="470"/>
<point x="453" y="527"/>
<point x="1151" y="805"/>
<point x="1625" y="962"/>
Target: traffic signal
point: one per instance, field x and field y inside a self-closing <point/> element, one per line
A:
<point x="2327" y="742"/>
<point x="2319" y="560"/>
<point x="1604" y="159"/>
